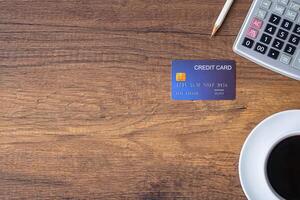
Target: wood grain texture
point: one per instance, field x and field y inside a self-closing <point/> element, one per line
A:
<point x="85" y="107"/>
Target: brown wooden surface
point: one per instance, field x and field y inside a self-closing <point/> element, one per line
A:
<point x="85" y="107"/>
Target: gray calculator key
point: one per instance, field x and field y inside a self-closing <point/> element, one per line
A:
<point x="296" y="63"/>
<point x="266" y="4"/>
<point x="285" y="59"/>
<point x="283" y="2"/>
<point x="261" y="14"/>
<point x="279" y="9"/>
<point x="295" y="6"/>
<point x="291" y="14"/>
<point x="298" y="21"/>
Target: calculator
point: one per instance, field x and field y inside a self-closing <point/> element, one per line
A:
<point x="270" y="36"/>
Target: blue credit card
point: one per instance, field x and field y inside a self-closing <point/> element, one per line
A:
<point x="203" y="80"/>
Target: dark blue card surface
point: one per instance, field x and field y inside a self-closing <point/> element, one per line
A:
<point x="203" y="80"/>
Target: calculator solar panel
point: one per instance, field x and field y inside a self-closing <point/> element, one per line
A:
<point x="270" y="36"/>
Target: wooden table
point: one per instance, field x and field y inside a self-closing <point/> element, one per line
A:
<point x="85" y="107"/>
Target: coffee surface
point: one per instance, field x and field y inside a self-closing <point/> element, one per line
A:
<point x="283" y="168"/>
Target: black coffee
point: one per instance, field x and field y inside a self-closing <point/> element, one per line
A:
<point x="283" y="168"/>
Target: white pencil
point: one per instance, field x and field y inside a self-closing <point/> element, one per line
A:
<point x="222" y="16"/>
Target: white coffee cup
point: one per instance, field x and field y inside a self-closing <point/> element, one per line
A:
<point x="256" y="151"/>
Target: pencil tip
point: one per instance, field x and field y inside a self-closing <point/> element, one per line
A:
<point x="215" y="29"/>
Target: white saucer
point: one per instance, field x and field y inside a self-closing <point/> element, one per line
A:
<point x="257" y="148"/>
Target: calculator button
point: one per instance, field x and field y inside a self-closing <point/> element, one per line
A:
<point x="266" y="4"/>
<point x="260" y="48"/>
<point x="270" y="29"/>
<point x="248" y="43"/>
<point x="297" y="29"/>
<point x="296" y="63"/>
<point x="283" y="2"/>
<point x="273" y="54"/>
<point x="291" y="15"/>
<point x="290" y="49"/>
<point x="261" y="14"/>
<point x="294" y="39"/>
<point x="285" y="59"/>
<point x="256" y="23"/>
<point x="279" y="9"/>
<point x="286" y="24"/>
<point x="274" y="19"/>
<point x="278" y="44"/>
<point x="295" y="6"/>
<point x="252" y="33"/>
<point x="282" y="34"/>
<point x="265" y="38"/>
